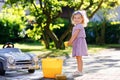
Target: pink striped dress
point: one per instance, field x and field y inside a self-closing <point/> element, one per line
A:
<point x="79" y="46"/>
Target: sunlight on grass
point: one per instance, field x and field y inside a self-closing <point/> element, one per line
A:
<point x="25" y="46"/>
<point x="94" y="50"/>
<point x="40" y="50"/>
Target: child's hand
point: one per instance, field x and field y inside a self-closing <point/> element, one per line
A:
<point x="66" y="43"/>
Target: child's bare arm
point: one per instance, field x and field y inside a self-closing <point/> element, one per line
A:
<point x="74" y="36"/>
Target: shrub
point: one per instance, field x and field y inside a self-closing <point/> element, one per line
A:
<point x="10" y="27"/>
<point x="112" y="32"/>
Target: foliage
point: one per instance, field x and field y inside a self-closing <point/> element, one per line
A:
<point x="90" y="33"/>
<point x="47" y="12"/>
<point x="61" y="29"/>
<point x="10" y="25"/>
<point x="112" y="32"/>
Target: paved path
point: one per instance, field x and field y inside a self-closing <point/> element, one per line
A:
<point x="103" y="66"/>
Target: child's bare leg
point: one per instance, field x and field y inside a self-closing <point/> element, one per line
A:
<point x="79" y="63"/>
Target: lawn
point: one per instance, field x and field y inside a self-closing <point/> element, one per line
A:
<point x="40" y="50"/>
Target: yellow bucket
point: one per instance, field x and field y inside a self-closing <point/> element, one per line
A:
<point x="66" y="43"/>
<point x="51" y="67"/>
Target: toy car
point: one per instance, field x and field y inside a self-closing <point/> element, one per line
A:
<point x="14" y="59"/>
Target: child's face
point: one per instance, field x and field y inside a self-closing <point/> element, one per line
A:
<point x="77" y="19"/>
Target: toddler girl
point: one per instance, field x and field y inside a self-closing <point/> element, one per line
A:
<point x="77" y="40"/>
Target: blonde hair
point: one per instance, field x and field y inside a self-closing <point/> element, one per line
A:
<point x="84" y="16"/>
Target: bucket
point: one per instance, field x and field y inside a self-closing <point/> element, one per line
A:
<point x="51" y="67"/>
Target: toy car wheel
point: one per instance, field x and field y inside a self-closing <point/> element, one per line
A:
<point x="31" y="70"/>
<point x="2" y="71"/>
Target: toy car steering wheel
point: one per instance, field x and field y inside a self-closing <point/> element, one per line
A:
<point x="8" y="45"/>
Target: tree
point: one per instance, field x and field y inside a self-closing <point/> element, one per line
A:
<point x="46" y="13"/>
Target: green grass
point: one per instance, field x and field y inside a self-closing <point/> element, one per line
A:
<point x="40" y="50"/>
